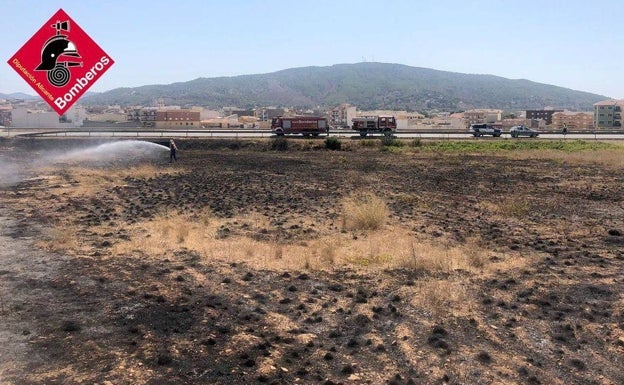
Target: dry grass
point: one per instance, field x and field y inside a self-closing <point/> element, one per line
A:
<point x="364" y="211"/>
<point x="442" y="298"/>
<point x="508" y="206"/>
<point x="421" y="201"/>
<point x="391" y="247"/>
<point x="513" y="207"/>
<point x="88" y="181"/>
<point x="611" y="158"/>
<point x="372" y="243"/>
<point x="61" y="238"/>
<point x="429" y="257"/>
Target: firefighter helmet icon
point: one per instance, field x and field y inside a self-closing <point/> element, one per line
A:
<point x="56" y="56"/>
<point x="58" y="64"/>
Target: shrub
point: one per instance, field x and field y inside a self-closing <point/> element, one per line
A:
<point x="514" y="207"/>
<point x="417" y="142"/>
<point x="71" y="326"/>
<point x="182" y="232"/>
<point x="235" y="145"/>
<point x="368" y="143"/>
<point x="279" y="144"/>
<point x="364" y="211"/>
<point x="333" y="143"/>
<point x="390" y="141"/>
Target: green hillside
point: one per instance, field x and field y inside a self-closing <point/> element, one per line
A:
<point x="366" y="85"/>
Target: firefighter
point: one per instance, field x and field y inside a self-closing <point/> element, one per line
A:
<point x="172" y="151"/>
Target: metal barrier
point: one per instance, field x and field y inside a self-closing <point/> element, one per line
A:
<point x="255" y="133"/>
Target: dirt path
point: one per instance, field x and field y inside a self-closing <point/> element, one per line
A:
<point x="23" y="268"/>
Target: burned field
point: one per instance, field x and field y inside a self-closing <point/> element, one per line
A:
<point x="241" y="265"/>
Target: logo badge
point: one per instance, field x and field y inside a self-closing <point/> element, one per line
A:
<point x="60" y="62"/>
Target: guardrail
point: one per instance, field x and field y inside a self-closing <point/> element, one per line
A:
<point x="126" y="133"/>
<point x="249" y="133"/>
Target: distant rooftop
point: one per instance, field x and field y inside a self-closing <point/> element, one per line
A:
<point x="610" y="102"/>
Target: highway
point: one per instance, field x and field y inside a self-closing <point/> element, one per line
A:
<point x="258" y="133"/>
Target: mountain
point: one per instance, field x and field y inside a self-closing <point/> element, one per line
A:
<point x="365" y="85"/>
<point x="18" y="95"/>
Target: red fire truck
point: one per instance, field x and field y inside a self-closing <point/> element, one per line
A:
<point x="306" y="125"/>
<point x="367" y="124"/>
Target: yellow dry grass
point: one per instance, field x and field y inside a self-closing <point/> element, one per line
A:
<point x="510" y="206"/>
<point x="60" y="239"/>
<point x="364" y="211"/>
<point x="441" y="298"/>
<point x="391" y="247"/>
<point x="611" y="158"/>
<point x="431" y="257"/>
<point x="442" y="290"/>
<point x="87" y="181"/>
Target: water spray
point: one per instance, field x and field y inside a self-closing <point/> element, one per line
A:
<point x="124" y="151"/>
<point x="13" y="171"/>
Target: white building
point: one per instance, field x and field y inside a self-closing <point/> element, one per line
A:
<point x="25" y="118"/>
<point x="342" y="115"/>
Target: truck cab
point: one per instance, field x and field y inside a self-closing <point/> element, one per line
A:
<point x="367" y="124"/>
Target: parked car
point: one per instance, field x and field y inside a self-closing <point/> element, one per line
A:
<point x="485" y="129"/>
<point x="517" y="131"/>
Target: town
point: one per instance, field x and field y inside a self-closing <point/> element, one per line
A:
<point x="35" y="114"/>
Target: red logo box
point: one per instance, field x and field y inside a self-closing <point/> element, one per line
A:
<point x="61" y="62"/>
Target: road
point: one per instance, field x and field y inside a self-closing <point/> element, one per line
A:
<point x="248" y="133"/>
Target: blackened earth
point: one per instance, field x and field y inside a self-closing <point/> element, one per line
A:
<point x="94" y="319"/>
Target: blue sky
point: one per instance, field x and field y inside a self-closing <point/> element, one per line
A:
<point x="571" y="43"/>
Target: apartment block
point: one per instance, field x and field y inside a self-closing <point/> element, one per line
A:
<point x="5" y="115"/>
<point x="573" y="120"/>
<point x="167" y="119"/>
<point x="608" y="114"/>
<point x="545" y="115"/>
<point x="249" y="112"/>
<point x="145" y="116"/>
<point x="482" y="116"/>
<point x="177" y="119"/>
<point x="341" y="116"/>
<point x="266" y="114"/>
